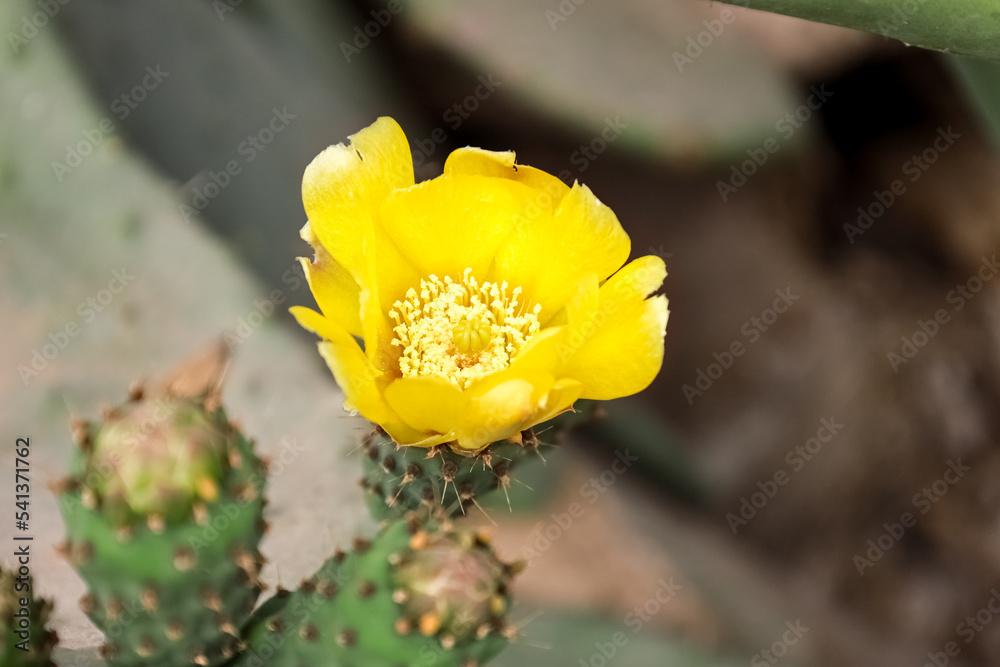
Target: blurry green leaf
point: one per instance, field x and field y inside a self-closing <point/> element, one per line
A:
<point x="982" y="82"/>
<point x="966" y="27"/>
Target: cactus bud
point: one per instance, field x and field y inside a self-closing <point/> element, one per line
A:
<point x="451" y="580"/>
<point x="158" y="458"/>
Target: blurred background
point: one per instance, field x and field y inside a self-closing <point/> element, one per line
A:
<point x="812" y="477"/>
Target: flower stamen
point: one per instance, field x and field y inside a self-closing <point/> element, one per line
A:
<point x="461" y="330"/>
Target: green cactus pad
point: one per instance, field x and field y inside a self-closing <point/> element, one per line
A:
<point x="163" y="522"/>
<point x="23" y="617"/>
<point x="401" y="480"/>
<point x="436" y="599"/>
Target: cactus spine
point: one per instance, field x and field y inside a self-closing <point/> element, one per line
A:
<point x="401" y="480"/>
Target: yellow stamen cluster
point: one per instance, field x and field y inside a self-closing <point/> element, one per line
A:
<point x="460" y="330"/>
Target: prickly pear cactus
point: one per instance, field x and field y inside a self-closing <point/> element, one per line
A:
<point x="163" y="519"/>
<point x="400" y="480"/>
<point x="23" y="617"/>
<point x="438" y="481"/>
<point x="411" y="596"/>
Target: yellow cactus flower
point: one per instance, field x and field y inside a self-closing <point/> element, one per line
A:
<point x="470" y="307"/>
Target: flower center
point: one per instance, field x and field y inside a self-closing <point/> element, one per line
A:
<point x="460" y="330"/>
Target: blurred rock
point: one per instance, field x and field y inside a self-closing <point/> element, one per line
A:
<point x="683" y="85"/>
<point x="249" y="93"/>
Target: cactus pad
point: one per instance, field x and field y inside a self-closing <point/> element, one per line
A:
<point x="163" y="521"/>
<point x="408" y="597"/>
<point x="400" y="480"/>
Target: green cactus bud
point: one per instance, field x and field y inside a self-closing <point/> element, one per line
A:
<point x="163" y="522"/>
<point x="23" y="617"/>
<point x="400" y="480"/>
<point x="451" y="584"/>
<point x="410" y="596"/>
<point x="158" y="458"/>
<point x="443" y="482"/>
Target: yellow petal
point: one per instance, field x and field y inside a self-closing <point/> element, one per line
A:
<point x="343" y="190"/>
<point x="344" y="186"/>
<point x="540" y="353"/>
<point x="430" y="404"/>
<point x="451" y="223"/>
<point x="358" y="379"/>
<point x="394" y="275"/>
<point x="577" y="316"/>
<point x="425" y="440"/>
<point x="312" y="321"/>
<point x="334" y="289"/>
<point x="549" y="190"/>
<point x="496" y="409"/>
<point x="623" y="351"/>
<point x="564" y="393"/>
<point x="525" y="383"/>
<point x="548" y="255"/>
<point x="638" y="279"/>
